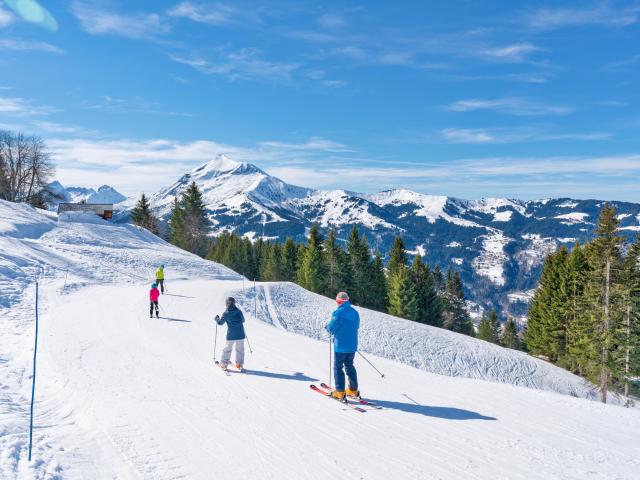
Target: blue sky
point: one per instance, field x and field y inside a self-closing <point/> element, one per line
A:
<point x="470" y="99"/>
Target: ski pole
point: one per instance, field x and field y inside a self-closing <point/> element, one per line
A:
<point x="330" y="344"/>
<point x="248" y="344"/>
<point x="215" y="342"/>
<point x="381" y="374"/>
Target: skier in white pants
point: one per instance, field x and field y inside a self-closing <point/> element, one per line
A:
<point x="234" y="319"/>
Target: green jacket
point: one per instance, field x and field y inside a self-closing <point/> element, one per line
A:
<point x="160" y="274"/>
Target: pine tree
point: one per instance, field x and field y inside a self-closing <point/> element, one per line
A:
<point x="360" y="265"/>
<point x="429" y="304"/>
<point x="195" y="223"/>
<point x="289" y="260"/>
<point x="603" y="294"/>
<point x="270" y="268"/>
<point x="311" y="274"/>
<point x="402" y="295"/>
<point x="335" y="265"/>
<point x="547" y="324"/>
<point x="456" y="317"/>
<point x="509" y="337"/>
<point x="379" y="288"/>
<point x="397" y="257"/>
<point x="579" y="351"/>
<point x="176" y="225"/>
<point x="141" y="215"/>
<point x="489" y="328"/>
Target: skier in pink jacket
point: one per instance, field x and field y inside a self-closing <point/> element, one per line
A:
<point x="154" y="294"/>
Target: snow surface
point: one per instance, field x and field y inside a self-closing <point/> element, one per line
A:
<point x="503" y="216"/>
<point x="490" y="262"/>
<point x="122" y="396"/>
<point x="574" y="217"/>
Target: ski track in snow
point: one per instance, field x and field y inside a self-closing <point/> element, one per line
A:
<point x="123" y="396"/>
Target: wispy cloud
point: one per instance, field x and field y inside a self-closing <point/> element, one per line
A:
<point x="332" y="20"/>
<point x="479" y="136"/>
<point x="98" y="21"/>
<point x="601" y="14"/>
<point x="314" y="143"/>
<point x="131" y="105"/>
<point x="517" y="52"/>
<point x="5" y="17"/>
<point x="22" y="107"/>
<point x="509" y="105"/>
<point x="243" y="64"/>
<point x="216" y="14"/>
<point x="22" y="45"/>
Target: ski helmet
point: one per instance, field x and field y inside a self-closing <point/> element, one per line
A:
<point x="154" y="285"/>
<point x="341" y="298"/>
<point x="230" y="301"/>
<point x="162" y="267"/>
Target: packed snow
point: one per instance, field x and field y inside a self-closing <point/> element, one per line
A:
<point x="123" y="396"/>
<point x="573" y="217"/>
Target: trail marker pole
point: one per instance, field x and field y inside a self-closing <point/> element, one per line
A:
<point x="33" y="384"/>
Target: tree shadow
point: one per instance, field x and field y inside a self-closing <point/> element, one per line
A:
<point x="281" y="376"/>
<point x="449" y="413"/>
<point x="176" y="295"/>
<point x="169" y="319"/>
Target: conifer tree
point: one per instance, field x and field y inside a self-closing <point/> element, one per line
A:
<point x="603" y="295"/>
<point x="379" y="289"/>
<point x="402" y="295"/>
<point x="141" y="215"/>
<point x="270" y="268"/>
<point x="429" y="305"/>
<point x="489" y="328"/>
<point x="335" y="265"/>
<point x="194" y="220"/>
<point x="289" y="260"/>
<point x="176" y="225"/>
<point x="311" y="274"/>
<point x="509" y="337"/>
<point x="630" y="345"/>
<point x="360" y="264"/>
<point x="456" y="317"/>
<point x="397" y="257"/>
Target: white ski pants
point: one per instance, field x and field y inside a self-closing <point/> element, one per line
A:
<point x="226" y="352"/>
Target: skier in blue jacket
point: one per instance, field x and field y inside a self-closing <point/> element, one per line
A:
<point x="344" y="325"/>
<point x="234" y="319"/>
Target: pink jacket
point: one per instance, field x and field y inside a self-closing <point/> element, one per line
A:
<point x="154" y="294"/>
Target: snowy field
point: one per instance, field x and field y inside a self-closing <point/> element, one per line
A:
<point x="122" y="396"/>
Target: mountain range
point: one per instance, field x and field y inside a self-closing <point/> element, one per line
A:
<point x="497" y="244"/>
<point x="104" y="194"/>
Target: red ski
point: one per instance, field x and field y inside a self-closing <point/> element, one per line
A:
<point x="315" y="388"/>
<point x="361" y="401"/>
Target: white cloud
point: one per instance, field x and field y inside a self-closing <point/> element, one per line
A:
<point x="131" y="105"/>
<point x="97" y="21"/>
<point x="509" y="135"/>
<point x="22" y="107"/>
<point x="5" y="17"/>
<point x="509" y="105"/>
<point x="22" y="45"/>
<point x="517" y="52"/>
<point x="244" y="64"/>
<point x="332" y="20"/>
<point x="218" y="14"/>
<point x="602" y="14"/>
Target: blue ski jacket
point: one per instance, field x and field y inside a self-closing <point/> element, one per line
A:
<point x="234" y="319"/>
<point x="344" y="325"/>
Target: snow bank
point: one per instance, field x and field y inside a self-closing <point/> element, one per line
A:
<point x="432" y="349"/>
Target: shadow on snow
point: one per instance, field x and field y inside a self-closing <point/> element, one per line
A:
<point x="281" y="376"/>
<point x="449" y="413"/>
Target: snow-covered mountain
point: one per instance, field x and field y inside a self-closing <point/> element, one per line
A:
<point x="104" y="194"/>
<point x="123" y="396"/>
<point x="497" y="243"/>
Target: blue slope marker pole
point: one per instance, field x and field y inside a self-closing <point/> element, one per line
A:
<point x="33" y="385"/>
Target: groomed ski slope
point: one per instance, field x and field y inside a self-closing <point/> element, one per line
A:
<point x="124" y="396"/>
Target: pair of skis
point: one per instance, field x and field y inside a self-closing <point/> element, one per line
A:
<point x="354" y="403"/>
<point x="226" y="370"/>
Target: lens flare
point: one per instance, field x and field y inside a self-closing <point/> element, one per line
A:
<point x="32" y="12"/>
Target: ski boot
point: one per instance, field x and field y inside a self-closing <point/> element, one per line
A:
<point x="353" y="393"/>
<point x="239" y="367"/>
<point x="338" y="395"/>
